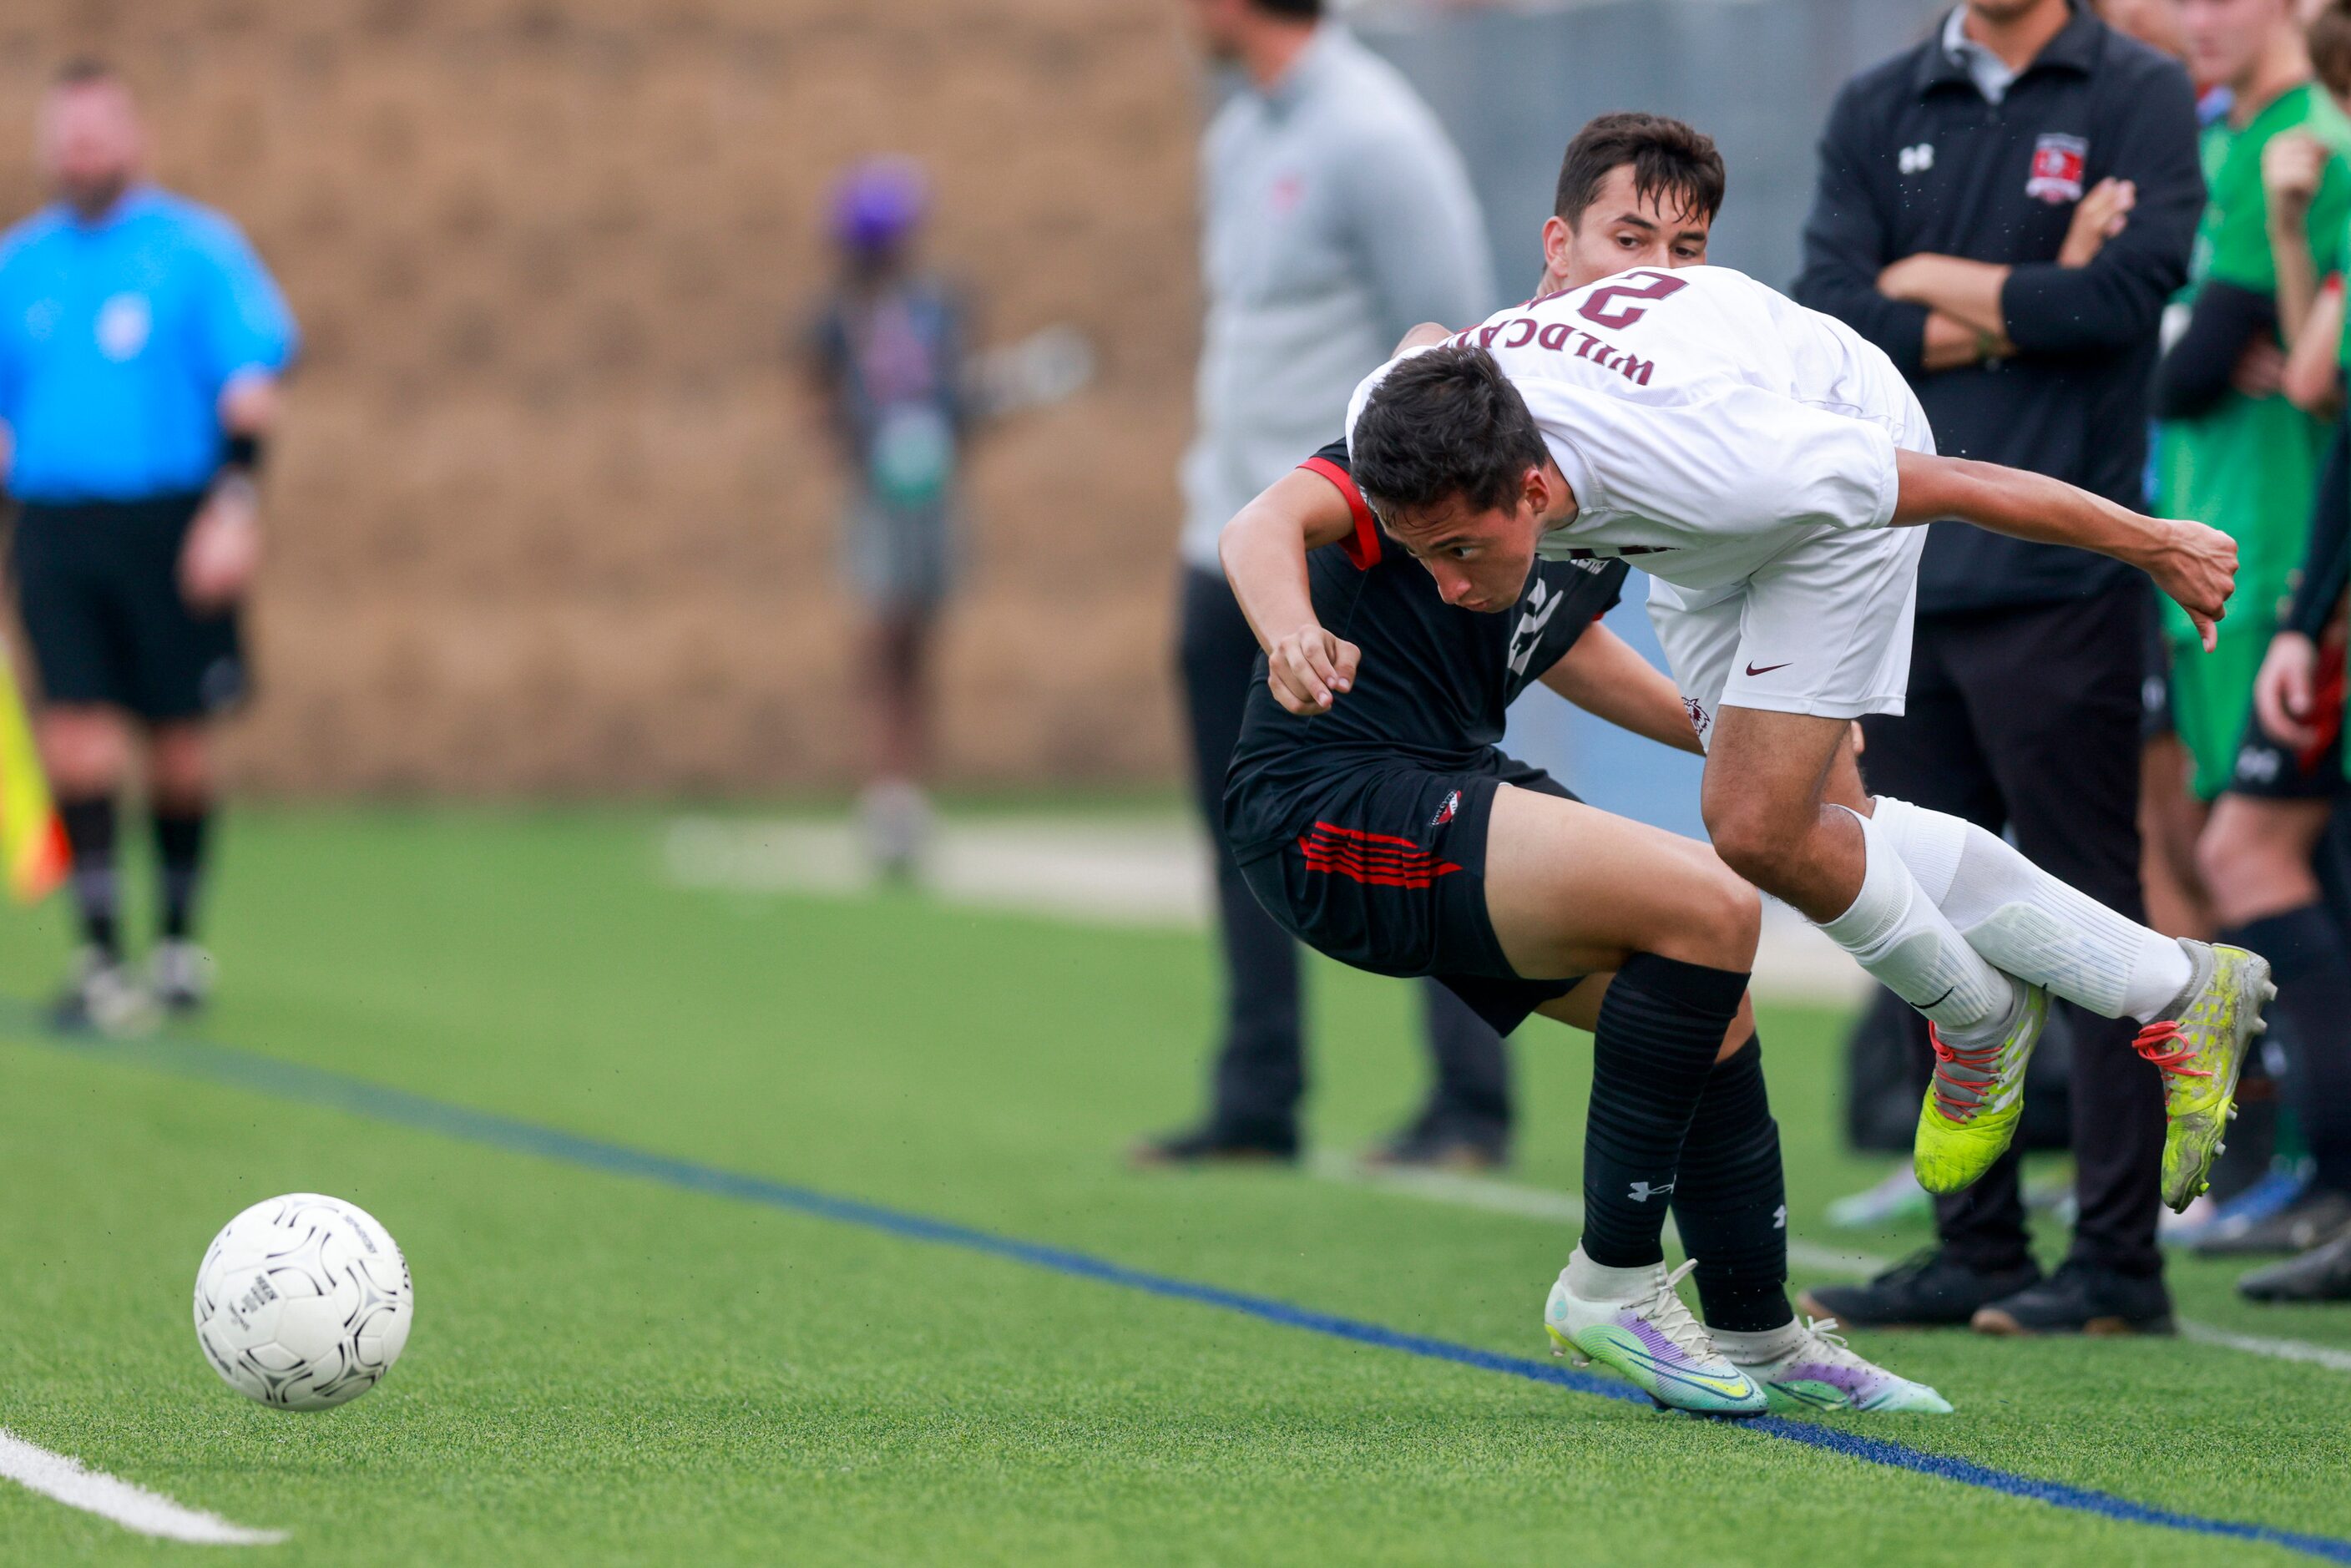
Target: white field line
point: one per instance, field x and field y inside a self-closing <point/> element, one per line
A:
<point x="2276" y="1349"/>
<point x="1542" y="1203"/>
<point x="134" y="1508"/>
<point x="1561" y="1209"/>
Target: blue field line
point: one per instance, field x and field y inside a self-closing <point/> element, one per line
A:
<point x="186" y="1057"/>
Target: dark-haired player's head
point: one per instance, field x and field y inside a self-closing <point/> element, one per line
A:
<point x="91" y="144"/>
<point x="1225" y="28"/>
<point x="1635" y="189"/>
<point x="1448" y="455"/>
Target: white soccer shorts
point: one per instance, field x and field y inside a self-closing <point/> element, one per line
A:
<point x="1821" y="627"/>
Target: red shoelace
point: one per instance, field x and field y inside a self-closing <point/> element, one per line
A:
<point x="1984" y="1059"/>
<point x="2160" y="1044"/>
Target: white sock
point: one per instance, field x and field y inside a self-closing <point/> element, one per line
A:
<point x="2029" y="923"/>
<point x="1599" y="1283"/>
<point x="1896" y="932"/>
<point x="1759" y="1349"/>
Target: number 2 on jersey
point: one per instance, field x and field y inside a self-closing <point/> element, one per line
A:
<point x="1600" y="305"/>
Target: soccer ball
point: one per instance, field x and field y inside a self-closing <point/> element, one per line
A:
<point x="303" y="1302"/>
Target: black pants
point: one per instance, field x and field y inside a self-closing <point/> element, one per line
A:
<point x="1260" y="1072"/>
<point x="2027" y="721"/>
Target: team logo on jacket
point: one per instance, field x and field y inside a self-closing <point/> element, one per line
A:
<point x="2057" y="164"/>
<point x="1445" y="812"/>
<point x="123" y="324"/>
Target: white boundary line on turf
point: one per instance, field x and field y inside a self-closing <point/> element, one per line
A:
<point x="71" y="1482"/>
<point x="1562" y="1208"/>
<point x="2262" y="1344"/>
<point x="1542" y="1203"/>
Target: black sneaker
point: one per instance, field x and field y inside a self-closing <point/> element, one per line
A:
<point x="2083" y="1298"/>
<point x="1212" y="1142"/>
<point x="2317" y="1216"/>
<point x="2321" y="1274"/>
<point x="1925" y="1290"/>
<point x="1438" y="1141"/>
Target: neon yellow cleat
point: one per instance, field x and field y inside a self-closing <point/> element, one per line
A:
<point x="2201" y="1049"/>
<point x="1977" y="1098"/>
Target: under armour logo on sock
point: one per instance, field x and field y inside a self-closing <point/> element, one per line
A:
<point x="1780" y="1218"/>
<point x="1642" y="1190"/>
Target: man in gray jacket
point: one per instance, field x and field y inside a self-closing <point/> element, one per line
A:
<point x="1337" y="216"/>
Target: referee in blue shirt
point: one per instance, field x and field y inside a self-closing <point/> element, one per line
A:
<point x="141" y="343"/>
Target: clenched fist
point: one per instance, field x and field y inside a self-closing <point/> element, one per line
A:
<point x="2196" y="566"/>
<point x="1309" y="669"/>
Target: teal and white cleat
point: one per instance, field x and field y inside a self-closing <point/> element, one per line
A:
<point x="1816" y="1371"/>
<point x="1651" y="1338"/>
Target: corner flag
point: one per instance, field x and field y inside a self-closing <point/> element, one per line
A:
<point x="32" y="841"/>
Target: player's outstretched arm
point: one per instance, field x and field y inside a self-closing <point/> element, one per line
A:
<point x="1604" y="675"/>
<point x="1264" y="553"/>
<point x="2195" y="564"/>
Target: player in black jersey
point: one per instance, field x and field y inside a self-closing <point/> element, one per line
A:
<point x="1375" y="817"/>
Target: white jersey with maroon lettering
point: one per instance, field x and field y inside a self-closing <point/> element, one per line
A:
<point x="1739" y="449"/>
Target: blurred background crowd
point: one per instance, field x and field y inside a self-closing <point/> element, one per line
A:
<point x="693" y="399"/>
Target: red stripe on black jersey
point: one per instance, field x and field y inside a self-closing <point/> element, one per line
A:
<point x="1376" y="860"/>
<point x="1364" y="548"/>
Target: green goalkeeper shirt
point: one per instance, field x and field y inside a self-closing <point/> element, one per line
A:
<point x="2247" y="466"/>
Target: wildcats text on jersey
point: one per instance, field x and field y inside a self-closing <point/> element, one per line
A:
<point x="1612" y="305"/>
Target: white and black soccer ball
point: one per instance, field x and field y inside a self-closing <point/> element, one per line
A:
<point x="303" y="1302"/>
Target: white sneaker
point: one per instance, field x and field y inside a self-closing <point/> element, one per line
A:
<point x="102" y="997"/>
<point x="1807" y="1367"/>
<point x="1638" y="1326"/>
<point x="181" y="974"/>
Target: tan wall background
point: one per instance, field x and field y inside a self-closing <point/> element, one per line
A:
<point x="549" y="515"/>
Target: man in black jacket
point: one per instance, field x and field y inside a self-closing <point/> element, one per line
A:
<point x="2005" y="210"/>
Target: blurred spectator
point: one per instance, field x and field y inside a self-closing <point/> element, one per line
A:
<point x="2015" y="264"/>
<point x="1337" y="217"/>
<point x="2286" y="780"/>
<point x="886" y="348"/>
<point x="2154" y="23"/>
<point x="141" y="343"/>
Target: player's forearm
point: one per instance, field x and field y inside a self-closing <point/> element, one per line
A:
<point x="2297" y="279"/>
<point x="2023" y="505"/>
<point x="1966" y="290"/>
<point x="1263" y="550"/>
<point x="1951" y="344"/>
<point x="2313" y="381"/>
<point x="1604" y="677"/>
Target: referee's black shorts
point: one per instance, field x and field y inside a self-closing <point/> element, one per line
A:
<point x="97" y="587"/>
<point x="1386" y="871"/>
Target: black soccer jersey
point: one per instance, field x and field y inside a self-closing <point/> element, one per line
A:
<point x="1435" y="684"/>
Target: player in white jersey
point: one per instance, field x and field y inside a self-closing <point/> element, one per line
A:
<point x="1764" y="464"/>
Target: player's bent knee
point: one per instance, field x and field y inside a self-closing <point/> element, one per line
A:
<point x="1716" y="922"/>
<point x="1751" y="847"/>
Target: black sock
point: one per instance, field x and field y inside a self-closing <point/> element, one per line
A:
<point x="180" y="857"/>
<point x="90" y="834"/>
<point x="1659" y="1027"/>
<point x="1730" y="1201"/>
<point x="2305" y="950"/>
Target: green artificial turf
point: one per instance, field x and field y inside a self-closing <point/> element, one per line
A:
<point x="605" y="1369"/>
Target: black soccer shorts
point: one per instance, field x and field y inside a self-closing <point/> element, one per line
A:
<point x="2269" y="769"/>
<point x="1386" y="871"/>
<point x="98" y="586"/>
